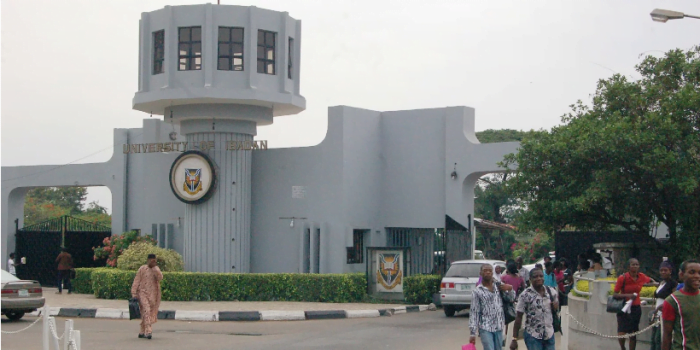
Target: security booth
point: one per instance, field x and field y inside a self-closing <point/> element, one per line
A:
<point x="386" y="269"/>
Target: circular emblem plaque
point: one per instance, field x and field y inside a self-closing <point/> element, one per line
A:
<point x="192" y="177"/>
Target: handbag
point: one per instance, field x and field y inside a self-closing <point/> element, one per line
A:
<point x="556" y="318"/>
<point x="469" y="346"/>
<point x="616" y="305"/>
<point x="508" y="307"/>
<point x="134" y="309"/>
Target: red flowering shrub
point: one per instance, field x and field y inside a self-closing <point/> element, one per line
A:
<point x="540" y="245"/>
<point x="114" y="246"/>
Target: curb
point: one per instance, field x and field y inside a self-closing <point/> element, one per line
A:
<point x="233" y="316"/>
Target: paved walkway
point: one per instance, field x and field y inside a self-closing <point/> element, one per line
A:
<point x="87" y="306"/>
<point x="89" y="301"/>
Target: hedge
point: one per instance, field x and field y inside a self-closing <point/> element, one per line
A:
<point x="109" y="283"/>
<point x="419" y="289"/>
<point x="582" y="285"/>
<point x="82" y="283"/>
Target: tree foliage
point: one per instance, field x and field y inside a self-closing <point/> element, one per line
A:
<point x="502" y="135"/>
<point x="492" y="201"/>
<point x="44" y="203"/>
<point x="113" y="247"/>
<point x="137" y="255"/>
<point x="70" y="198"/>
<point x="630" y="158"/>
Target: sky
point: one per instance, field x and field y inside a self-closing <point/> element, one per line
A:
<point x="68" y="69"/>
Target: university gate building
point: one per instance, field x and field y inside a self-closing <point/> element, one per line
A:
<point x="199" y="182"/>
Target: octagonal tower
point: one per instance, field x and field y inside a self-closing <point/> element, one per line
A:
<point x="219" y="71"/>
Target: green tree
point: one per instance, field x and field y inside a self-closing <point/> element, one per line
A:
<point x="44" y="203"/>
<point x="492" y="201"/>
<point x="97" y="214"/>
<point x="502" y="135"/>
<point x="36" y="212"/>
<point x="70" y="198"/>
<point x="629" y="159"/>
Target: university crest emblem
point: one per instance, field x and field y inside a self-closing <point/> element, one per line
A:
<point x="389" y="273"/>
<point x="193" y="181"/>
<point x="193" y="177"/>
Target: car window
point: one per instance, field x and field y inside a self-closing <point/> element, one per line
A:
<point x="464" y="270"/>
<point x="7" y="277"/>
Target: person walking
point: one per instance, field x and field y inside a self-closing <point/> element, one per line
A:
<point x="512" y="277"/>
<point x="628" y="287"/>
<point x="146" y="288"/>
<point x="559" y="274"/>
<point x="681" y="311"/>
<point x="524" y="273"/>
<point x="537" y="302"/>
<point x="550" y="279"/>
<point x="65" y="264"/>
<point x="11" y="265"/>
<point x="666" y="287"/>
<point x="486" y="317"/>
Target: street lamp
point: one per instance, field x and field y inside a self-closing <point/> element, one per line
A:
<point x="659" y="15"/>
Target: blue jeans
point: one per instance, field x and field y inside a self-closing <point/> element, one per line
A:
<point x="491" y="340"/>
<point x="533" y="343"/>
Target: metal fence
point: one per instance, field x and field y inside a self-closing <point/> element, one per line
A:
<point x="41" y="243"/>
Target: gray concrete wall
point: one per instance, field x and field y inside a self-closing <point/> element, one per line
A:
<point x="413" y="192"/>
<point x="150" y="199"/>
<point x="372" y="171"/>
<point x="274" y="244"/>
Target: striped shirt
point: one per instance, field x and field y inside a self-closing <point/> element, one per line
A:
<point x="486" y="310"/>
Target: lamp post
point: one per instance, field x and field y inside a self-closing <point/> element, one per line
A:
<point x="659" y="15"/>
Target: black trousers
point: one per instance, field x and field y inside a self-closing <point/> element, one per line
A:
<point x="64" y="280"/>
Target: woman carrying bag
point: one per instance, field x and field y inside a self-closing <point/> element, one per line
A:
<point x="628" y="287"/>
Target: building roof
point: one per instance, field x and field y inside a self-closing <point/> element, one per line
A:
<point x="492" y="225"/>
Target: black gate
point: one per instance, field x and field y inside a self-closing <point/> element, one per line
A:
<point x="432" y="250"/>
<point x="41" y="243"/>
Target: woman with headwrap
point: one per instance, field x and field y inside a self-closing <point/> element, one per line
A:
<point x="666" y="287"/>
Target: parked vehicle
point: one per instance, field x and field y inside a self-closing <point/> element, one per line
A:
<point x="459" y="281"/>
<point x="19" y="296"/>
<point x="479" y="255"/>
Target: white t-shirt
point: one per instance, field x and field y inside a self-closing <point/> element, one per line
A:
<point x="660" y="301"/>
<point x="524" y="273"/>
<point x="607" y="264"/>
<point x="11" y="267"/>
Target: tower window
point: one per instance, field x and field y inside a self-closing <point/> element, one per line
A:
<point x="230" y="48"/>
<point x="289" y="58"/>
<point x="266" y="52"/>
<point x="190" y="48"/>
<point x="158" y="51"/>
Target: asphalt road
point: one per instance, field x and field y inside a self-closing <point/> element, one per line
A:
<point x="424" y="330"/>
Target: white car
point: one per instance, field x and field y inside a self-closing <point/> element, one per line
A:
<point x="459" y="281"/>
<point x="19" y="296"/>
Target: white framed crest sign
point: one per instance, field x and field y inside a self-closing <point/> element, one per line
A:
<point x="192" y="177"/>
<point x="390" y="270"/>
